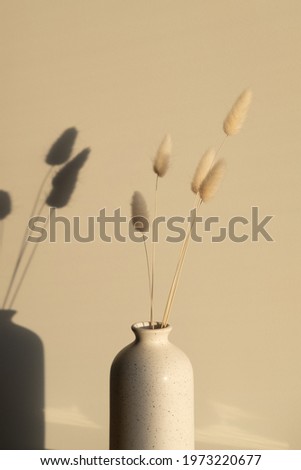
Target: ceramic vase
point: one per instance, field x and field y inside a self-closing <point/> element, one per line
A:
<point x="151" y="393"/>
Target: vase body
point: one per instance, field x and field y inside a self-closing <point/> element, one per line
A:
<point x="151" y="394"/>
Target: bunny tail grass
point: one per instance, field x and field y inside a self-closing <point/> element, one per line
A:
<point x="160" y="167"/>
<point x="140" y="221"/>
<point x="153" y="256"/>
<point x="139" y="213"/>
<point x="161" y="161"/>
<point x="175" y="282"/>
<point x="147" y="265"/>
<point x="238" y="113"/>
<point x="211" y="183"/>
<point x="176" y="278"/>
<point x="202" y="170"/>
<point x="206" y="191"/>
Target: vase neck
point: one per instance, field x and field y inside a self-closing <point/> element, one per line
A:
<point x="145" y="333"/>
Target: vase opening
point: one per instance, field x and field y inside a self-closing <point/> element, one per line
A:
<point x="146" y="325"/>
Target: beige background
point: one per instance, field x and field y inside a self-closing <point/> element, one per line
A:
<point x="125" y="73"/>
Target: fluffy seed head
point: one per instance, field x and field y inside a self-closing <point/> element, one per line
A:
<point x="5" y="204"/>
<point x="212" y="181"/>
<point x="202" y="169"/>
<point x="238" y="113"/>
<point x="161" y="161"/>
<point x="139" y="213"/>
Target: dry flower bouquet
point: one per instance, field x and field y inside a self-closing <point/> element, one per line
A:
<point x="151" y="384"/>
<point x="207" y="177"/>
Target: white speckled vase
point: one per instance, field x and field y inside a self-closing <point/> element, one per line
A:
<point x="151" y="394"/>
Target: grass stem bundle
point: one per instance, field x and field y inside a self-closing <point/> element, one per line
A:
<point x="206" y="180"/>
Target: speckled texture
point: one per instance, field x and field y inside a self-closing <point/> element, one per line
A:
<point x="151" y="394"/>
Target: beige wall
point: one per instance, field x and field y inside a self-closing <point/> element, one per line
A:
<point x="125" y="73"/>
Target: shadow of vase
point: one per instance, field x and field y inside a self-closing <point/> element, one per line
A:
<point x="21" y="386"/>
